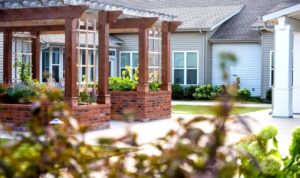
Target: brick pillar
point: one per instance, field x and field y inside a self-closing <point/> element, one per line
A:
<point x="70" y="61"/>
<point x="165" y="57"/>
<point x="7" y="56"/>
<point x="103" y="59"/>
<point x="143" y="60"/>
<point x="35" y="49"/>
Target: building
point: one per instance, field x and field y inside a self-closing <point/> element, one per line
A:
<point x="209" y="28"/>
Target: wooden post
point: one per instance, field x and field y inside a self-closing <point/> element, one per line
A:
<point x="143" y="60"/>
<point x="35" y="49"/>
<point x="165" y="57"/>
<point x="7" y="56"/>
<point x="70" y="61"/>
<point x="103" y="59"/>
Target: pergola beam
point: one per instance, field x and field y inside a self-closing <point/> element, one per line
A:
<point x="7" y="57"/>
<point x="42" y="13"/>
<point x="46" y="28"/>
<point x="132" y="23"/>
<point x="173" y="25"/>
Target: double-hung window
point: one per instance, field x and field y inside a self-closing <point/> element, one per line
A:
<point x="185" y="67"/>
<point x="128" y="60"/>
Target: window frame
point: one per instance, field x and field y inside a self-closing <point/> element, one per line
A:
<point x="131" y="59"/>
<point x="185" y="66"/>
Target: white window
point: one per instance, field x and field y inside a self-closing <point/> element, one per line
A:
<point x="112" y="62"/>
<point x="52" y="63"/>
<point x="129" y="59"/>
<point x="185" y="67"/>
<point x="272" y="68"/>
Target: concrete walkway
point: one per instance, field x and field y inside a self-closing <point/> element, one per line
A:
<point x="149" y="132"/>
<point x="211" y="103"/>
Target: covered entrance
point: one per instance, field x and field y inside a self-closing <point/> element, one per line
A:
<point x="286" y="89"/>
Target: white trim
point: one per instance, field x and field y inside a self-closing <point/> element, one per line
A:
<point x="131" y="54"/>
<point x="271" y="52"/>
<point x="185" y="66"/>
<point x="282" y="12"/>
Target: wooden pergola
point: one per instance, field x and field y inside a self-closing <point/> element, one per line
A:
<point x="65" y="19"/>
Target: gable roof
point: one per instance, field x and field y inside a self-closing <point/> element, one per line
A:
<point x="196" y="18"/>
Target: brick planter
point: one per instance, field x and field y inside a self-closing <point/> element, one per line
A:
<point x="143" y="106"/>
<point x="95" y="117"/>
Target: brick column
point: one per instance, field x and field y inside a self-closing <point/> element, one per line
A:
<point x="35" y="49"/>
<point x="103" y="59"/>
<point x="165" y="57"/>
<point x="143" y="60"/>
<point x="7" y="56"/>
<point x="70" y="61"/>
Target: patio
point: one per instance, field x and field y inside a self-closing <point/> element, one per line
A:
<point x="73" y="20"/>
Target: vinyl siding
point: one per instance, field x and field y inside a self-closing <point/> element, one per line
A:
<point x="1" y="57"/>
<point x="267" y="46"/>
<point x="179" y="42"/>
<point x="208" y="58"/>
<point x="189" y="42"/>
<point x="248" y="66"/>
<point x="130" y="44"/>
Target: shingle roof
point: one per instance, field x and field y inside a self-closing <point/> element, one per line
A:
<point x="237" y="28"/>
<point x="195" y="18"/>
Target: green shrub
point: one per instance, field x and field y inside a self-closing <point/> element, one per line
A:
<point x="177" y="91"/>
<point x="155" y="86"/>
<point x="206" y="92"/>
<point x="244" y="95"/>
<point x="3" y="88"/>
<point x="26" y="93"/>
<point x="269" y="95"/>
<point x="86" y="98"/>
<point x="122" y="84"/>
<point x="189" y="91"/>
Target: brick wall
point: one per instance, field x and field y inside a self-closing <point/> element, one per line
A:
<point x="15" y="116"/>
<point x="140" y="106"/>
<point x="96" y="117"/>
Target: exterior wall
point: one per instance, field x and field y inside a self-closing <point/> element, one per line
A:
<point x="193" y="41"/>
<point x="95" y="117"/>
<point x="140" y="106"/>
<point x="130" y="44"/>
<point x="208" y="57"/>
<point x="1" y="57"/>
<point x="248" y="66"/>
<point x="181" y="41"/>
<point x="267" y="44"/>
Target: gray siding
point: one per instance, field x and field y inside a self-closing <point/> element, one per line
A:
<point x="208" y="58"/>
<point x="267" y="46"/>
<point x="130" y="44"/>
<point x="1" y="57"/>
<point x="192" y="41"/>
<point x="187" y="41"/>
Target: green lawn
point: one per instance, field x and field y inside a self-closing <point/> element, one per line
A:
<point x="209" y="110"/>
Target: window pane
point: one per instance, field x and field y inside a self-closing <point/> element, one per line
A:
<point x="179" y="60"/>
<point x="91" y="57"/>
<point x="91" y="76"/>
<point x="55" y="56"/>
<point x="55" y="73"/>
<point x="191" y="60"/>
<point x="83" y="74"/>
<point x="45" y="65"/>
<point x="125" y="59"/>
<point x="179" y="76"/>
<point x="112" y="53"/>
<point x="191" y="76"/>
<point x="82" y="54"/>
<point x="135" y="60"/>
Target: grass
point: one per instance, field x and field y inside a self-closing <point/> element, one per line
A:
<point x="209" y="110"/>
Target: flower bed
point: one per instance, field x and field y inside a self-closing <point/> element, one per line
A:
<point x="140" y="106"/>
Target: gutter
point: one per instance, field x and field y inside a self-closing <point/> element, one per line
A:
<point x="235" y="40"/>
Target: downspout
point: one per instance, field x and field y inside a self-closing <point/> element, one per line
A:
<point x="203" y="54"/>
